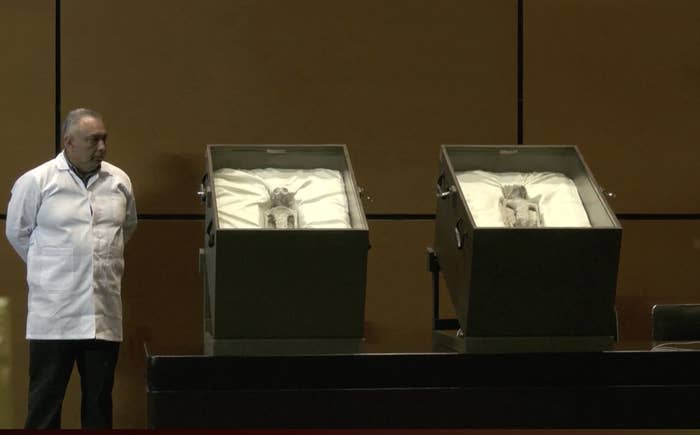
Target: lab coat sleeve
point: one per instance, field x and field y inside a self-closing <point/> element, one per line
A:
<point x="131" y="219"/>
<point x="22" y="213"/>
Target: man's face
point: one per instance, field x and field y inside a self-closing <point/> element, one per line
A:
<point x="86" y="143"/>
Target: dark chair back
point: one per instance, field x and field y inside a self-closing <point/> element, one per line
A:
<point x="676" y="322"/>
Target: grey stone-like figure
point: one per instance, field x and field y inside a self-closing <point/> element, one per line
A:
<point x="518" y="210"/>
<point x="282" y="212"/>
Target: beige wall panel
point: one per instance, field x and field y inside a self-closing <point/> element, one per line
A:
<point x="392" y="79"/>
<point x="26" y="88"/>
<point x="659" y="265"/>
<point x="619" y="79"/>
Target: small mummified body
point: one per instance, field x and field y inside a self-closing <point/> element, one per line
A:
<point x="518" y="210"/>
<point x="282" y="212"/>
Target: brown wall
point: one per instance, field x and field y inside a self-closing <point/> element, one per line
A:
<point x="621" y="80"/>
<point x="658" y="265"/>
<point x="393" y="80"/>
<point x="27" y="98"/>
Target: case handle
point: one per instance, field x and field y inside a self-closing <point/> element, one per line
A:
<point x="459" y="234"/>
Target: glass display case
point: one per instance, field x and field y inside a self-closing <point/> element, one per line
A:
<point x="528" y="247"/>
<point x="285" y="249"/>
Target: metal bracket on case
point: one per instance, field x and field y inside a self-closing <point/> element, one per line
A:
<point x="439" y="192"/>
<point x="204" y="191"/>
<point x="459" y="235"/>
<point x="608" y="194"/>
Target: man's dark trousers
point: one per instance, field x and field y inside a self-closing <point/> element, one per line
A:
<point x="50" y="366"/>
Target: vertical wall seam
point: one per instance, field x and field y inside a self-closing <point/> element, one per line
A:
<point x="57" y="76"/>
<point x="520" y="72"/>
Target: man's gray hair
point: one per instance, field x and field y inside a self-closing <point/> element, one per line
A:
<point x="74" y="116"/>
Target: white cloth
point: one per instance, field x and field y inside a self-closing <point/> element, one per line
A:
<point x="243" y="195"/>
<point x="72" y="239"/>
<point x="559" y="202"/>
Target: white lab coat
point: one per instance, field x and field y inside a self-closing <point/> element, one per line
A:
<point x="72" y="239"/>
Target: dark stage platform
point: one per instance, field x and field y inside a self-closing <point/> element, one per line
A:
<point x="612" y="389"/>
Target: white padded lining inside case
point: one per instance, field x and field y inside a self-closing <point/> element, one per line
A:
<point x="560" y="204"/>
<point x="243" y="195"/>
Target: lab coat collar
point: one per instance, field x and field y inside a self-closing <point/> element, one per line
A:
<point x="62" y="164"/>
<point x="62" y="161"/>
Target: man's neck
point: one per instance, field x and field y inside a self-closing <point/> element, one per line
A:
<point x="80" y="173"/>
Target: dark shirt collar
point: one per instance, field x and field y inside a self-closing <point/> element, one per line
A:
<point x="83" y="176"/>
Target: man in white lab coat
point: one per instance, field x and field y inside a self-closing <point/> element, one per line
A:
<point x="69" y="219"/>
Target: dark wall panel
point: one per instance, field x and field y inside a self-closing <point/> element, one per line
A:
<point x="392" y="79"/>
<point x="399" y="294"/>
<point x="619" y="79"/>
<point x="162" y="303"/>
<point x="658" y="265"/>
